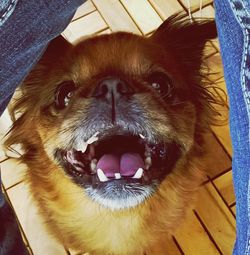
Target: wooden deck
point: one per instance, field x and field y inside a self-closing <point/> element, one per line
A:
<point x="210" y="227"/>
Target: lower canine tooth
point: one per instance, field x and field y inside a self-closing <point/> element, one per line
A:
<point x="102" y="177"/>
<point x="93" y="165"/>
<point x="117" y="176"/>
<point x="148" y="162"/>
<point x="138" y="173"/>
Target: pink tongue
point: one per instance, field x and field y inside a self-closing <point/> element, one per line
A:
<point x="129" y="164"/>
<point x="110" y="164"/>
<point x="126" y="165"/>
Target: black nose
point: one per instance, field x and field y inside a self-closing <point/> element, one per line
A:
<point x="112" y="89"/>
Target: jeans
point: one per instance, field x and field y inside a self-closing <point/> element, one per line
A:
<point x="233" y="24"/>
<point x="26" y="27"/>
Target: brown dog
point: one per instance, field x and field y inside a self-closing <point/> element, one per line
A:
<point x="111" y="131"/>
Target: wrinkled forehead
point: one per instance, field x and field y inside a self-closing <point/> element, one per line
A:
<point x="116" y="53"/>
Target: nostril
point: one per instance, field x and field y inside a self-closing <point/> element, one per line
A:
<point x="101" y="90"/>
<point x="124" y="88"/>
<point x="112" y="88"/>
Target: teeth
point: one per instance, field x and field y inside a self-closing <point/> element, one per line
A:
<point x="147" y="151"/>
<point x="102" y="177"/>
<point x="93" y="165"/>
<point x="138" y="174"/>
<point x="93" y="138"/>
<point x="81" y="146"/>
<point x="70" y="158"/>
<point x="117" y="176"/>
<point x="148" y="162"/>
<point x="142" y="136"/>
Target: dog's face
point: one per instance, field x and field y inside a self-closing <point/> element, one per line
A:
<point x="117" y="118"/>
<point x="120" y="122"/>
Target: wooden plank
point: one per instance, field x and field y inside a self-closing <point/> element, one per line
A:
<point x="143" y="14"/>
<point x="21" y="230"/>
<point x="89" y="24"/>
<point x="30" y="251"/>
<point x="106" y="31"/>
<point x="84" y="9"/>
<point x="216" y="159"/>
<point x="3" y="156"/>
<point x="225" y="185"/>
<point x="5" y="123"/>
<point x="165" y="246"/>
<point x="233" y="208"/>
<point x="166" y="8"/>
<point x="193" y="238"/>
<point x="216" y="44"/>
<point x="223" y="134"/>
<point x="217" y="218"/>
<point x="210" y="49"/>
<point x="170" y="247"/>
<point x="12" y="172"/>
<point x="207" y="12"/>
<point x="195" y="4"/>
<point x="39" y="240"/>
<point x="214" y="64"/>
<point x="116" y="16"/>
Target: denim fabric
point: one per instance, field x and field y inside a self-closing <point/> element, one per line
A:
<point x="233" y="24"/>
<point x="26" y="27"/>
<point x="6" y="9"/>
<point x="25" y="35"/>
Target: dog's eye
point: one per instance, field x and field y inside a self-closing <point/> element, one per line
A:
<point x="161" y="83"/>
<point x="63" y="94"/>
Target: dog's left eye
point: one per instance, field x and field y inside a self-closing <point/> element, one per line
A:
<point x="161" y="83"/>
<point x="63" y="94"/>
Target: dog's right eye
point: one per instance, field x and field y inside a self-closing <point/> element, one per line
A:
<point x="63" y="93"/>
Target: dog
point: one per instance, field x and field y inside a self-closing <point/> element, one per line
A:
<point x="112" y="131"/>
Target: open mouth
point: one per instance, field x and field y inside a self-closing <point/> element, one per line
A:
<point x="116" y="162"/>
<point x="124" y="156"/>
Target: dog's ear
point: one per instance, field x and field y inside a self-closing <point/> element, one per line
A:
<point x="184" y="42"/>
<point x="185" y="38"/>
<point x="52" y="63"/>
<point x="53" y="59"/>
<point x="55" y="51"/>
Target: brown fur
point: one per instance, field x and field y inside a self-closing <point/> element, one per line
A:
<point x="73" y="218"/>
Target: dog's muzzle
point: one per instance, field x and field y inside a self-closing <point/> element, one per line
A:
<point x="119" y="166"/>
<point x="115" y="156"/>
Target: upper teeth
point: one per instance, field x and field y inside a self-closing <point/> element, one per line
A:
<point x="81" y="146"/>
<point x="93" y="138"/>
<point x="142" y="136"/>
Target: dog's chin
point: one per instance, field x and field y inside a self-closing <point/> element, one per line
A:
<point x="121" y="194"/>
<point x="119" y="170"/>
